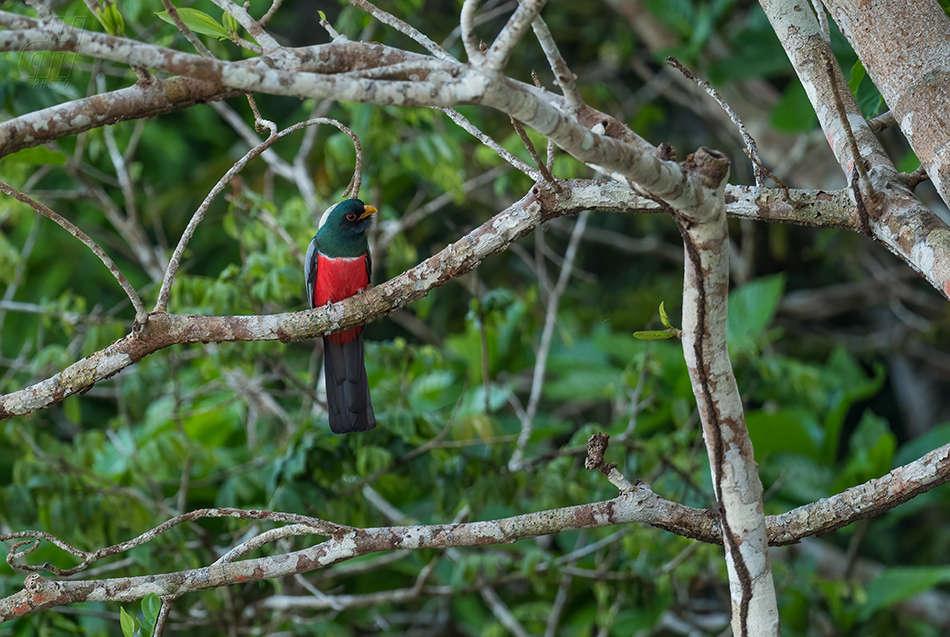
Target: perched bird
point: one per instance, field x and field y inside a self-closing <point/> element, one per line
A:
<point x="338" y="266"/>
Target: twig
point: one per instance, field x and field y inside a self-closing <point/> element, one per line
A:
<point x="769" y="174"/>
<point x="751" y="149"/>
<point x="185" y="31"/>
<point x="529" y="145"/>
<point x="501" y="611"/>
<point x="467" y="25"/>
<point x="596" y="447"/>
<point x="239" y="13"/>
<point x="333" y="33"/>
<point x="163" y="612"/>
<point x="461" y="120"/>
<point x="271" y="535"/>
<point x="275" y="5"/>
<point x="501" y="49"/>
<point x="411" y="218"/>
<point x="864" y="188"/>
<point x="140" y="314"/>
<point x="822" y="20"/>
<point x="562" y="74"/>
<point x="316" y="526"/>
<point x="403" y="27"/>
<point x="550" y="318"/>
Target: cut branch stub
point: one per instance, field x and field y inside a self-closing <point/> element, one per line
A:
<point x="710" y="166"/>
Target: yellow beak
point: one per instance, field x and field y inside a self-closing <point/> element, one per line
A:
<point x="367" y="211"/>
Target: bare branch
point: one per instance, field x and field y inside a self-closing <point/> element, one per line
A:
<point x="751" y="149"/>
<point x="735" y="476"/>
<point x="637" y="505"/>
<point x="463" y="122"/>
<point x="529" y="145"/>
<point x="275" y="5"/>
<point x="811" y="208"/>
<point x="467" y="25"/>
<point x="140" y="313"/>
<point x="402" y="27"/>
<point x="501" y="49"/>
<point x="297" y="522"/>
<point x="562" y="74"/>
<point x="185" y="31"/>
<point x="239" y="13"/>
<point x="141" y="100"/>
<point x="904" y="224"/>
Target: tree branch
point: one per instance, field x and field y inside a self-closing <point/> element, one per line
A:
<point x="492" y="237"/>
<point x="900" y="220"/>
<point x="140" y="313"/>
<point x="637" y="504"/>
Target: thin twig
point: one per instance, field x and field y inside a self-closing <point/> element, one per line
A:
<point x="185" y="31"/>
<point x="275" y="5"/>
<point x="822" y="20"/>
<point x="514" y="30"/>
<point x="562" y="74"/>
<point x="267" y="537"/>
<point x="404" y="28"/>
<point x="317" y="527"/>
<point x="467" y="25"/>
<point x="860" y="181"/>
<point x="163" y="612"/>
<point x="544" y="348"/>
<point x="140" y="313"/>
<point x="239" y="13"/>
<point x="413" y="217"/>
<point x="768" y="173"/>
<point x="752" y="149"/>
<point x="461" y="120"/>
<point x="529" y="145"/>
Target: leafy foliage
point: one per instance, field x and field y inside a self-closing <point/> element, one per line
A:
<point x="241" y="425"/>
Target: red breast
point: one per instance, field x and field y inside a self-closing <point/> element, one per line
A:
<point x="337" y="279"/>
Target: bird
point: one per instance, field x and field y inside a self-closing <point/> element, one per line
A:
<point x="337" y="266"/>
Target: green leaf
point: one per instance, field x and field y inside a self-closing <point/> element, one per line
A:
<point x="230" y="23"/>
<point x="653" y="335"/>
<point x="792" y="430"/>
<point x="896" y="584"/>
<point x="37" y="155"/>
<point x="793" y="113"/>
<point x="151" y="606"/>
<point x="198" y="21"/>
<point x="664" y="319"/>
<point x="751" y="310"/>
<point x="857" y="74"/>
<point x="128" y="623"/>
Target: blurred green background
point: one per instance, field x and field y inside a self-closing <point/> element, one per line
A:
<point x="839" y="349"/>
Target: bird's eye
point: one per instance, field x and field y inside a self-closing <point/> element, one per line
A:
<point x="351" y="217"/>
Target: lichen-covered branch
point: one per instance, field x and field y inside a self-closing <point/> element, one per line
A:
<point x="637" y="503"/>
<point x="162" y="330"/>
<point x="909" y="68"/>
<point x="735" y="474"/>
<point x="896" y="217"/>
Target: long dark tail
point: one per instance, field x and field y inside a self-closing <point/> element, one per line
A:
<point x="348" y="400"/>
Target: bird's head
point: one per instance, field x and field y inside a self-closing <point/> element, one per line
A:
<point x="350" y="217"/>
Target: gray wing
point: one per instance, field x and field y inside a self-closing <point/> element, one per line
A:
<point x="310" y="270"/>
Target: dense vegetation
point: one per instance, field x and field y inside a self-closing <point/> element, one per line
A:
<point x="839" y="351"/>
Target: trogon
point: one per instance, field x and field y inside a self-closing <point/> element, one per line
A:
<point x="337" y="266"/>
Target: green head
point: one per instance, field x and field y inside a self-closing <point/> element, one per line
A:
<point x="343" y="229"/>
